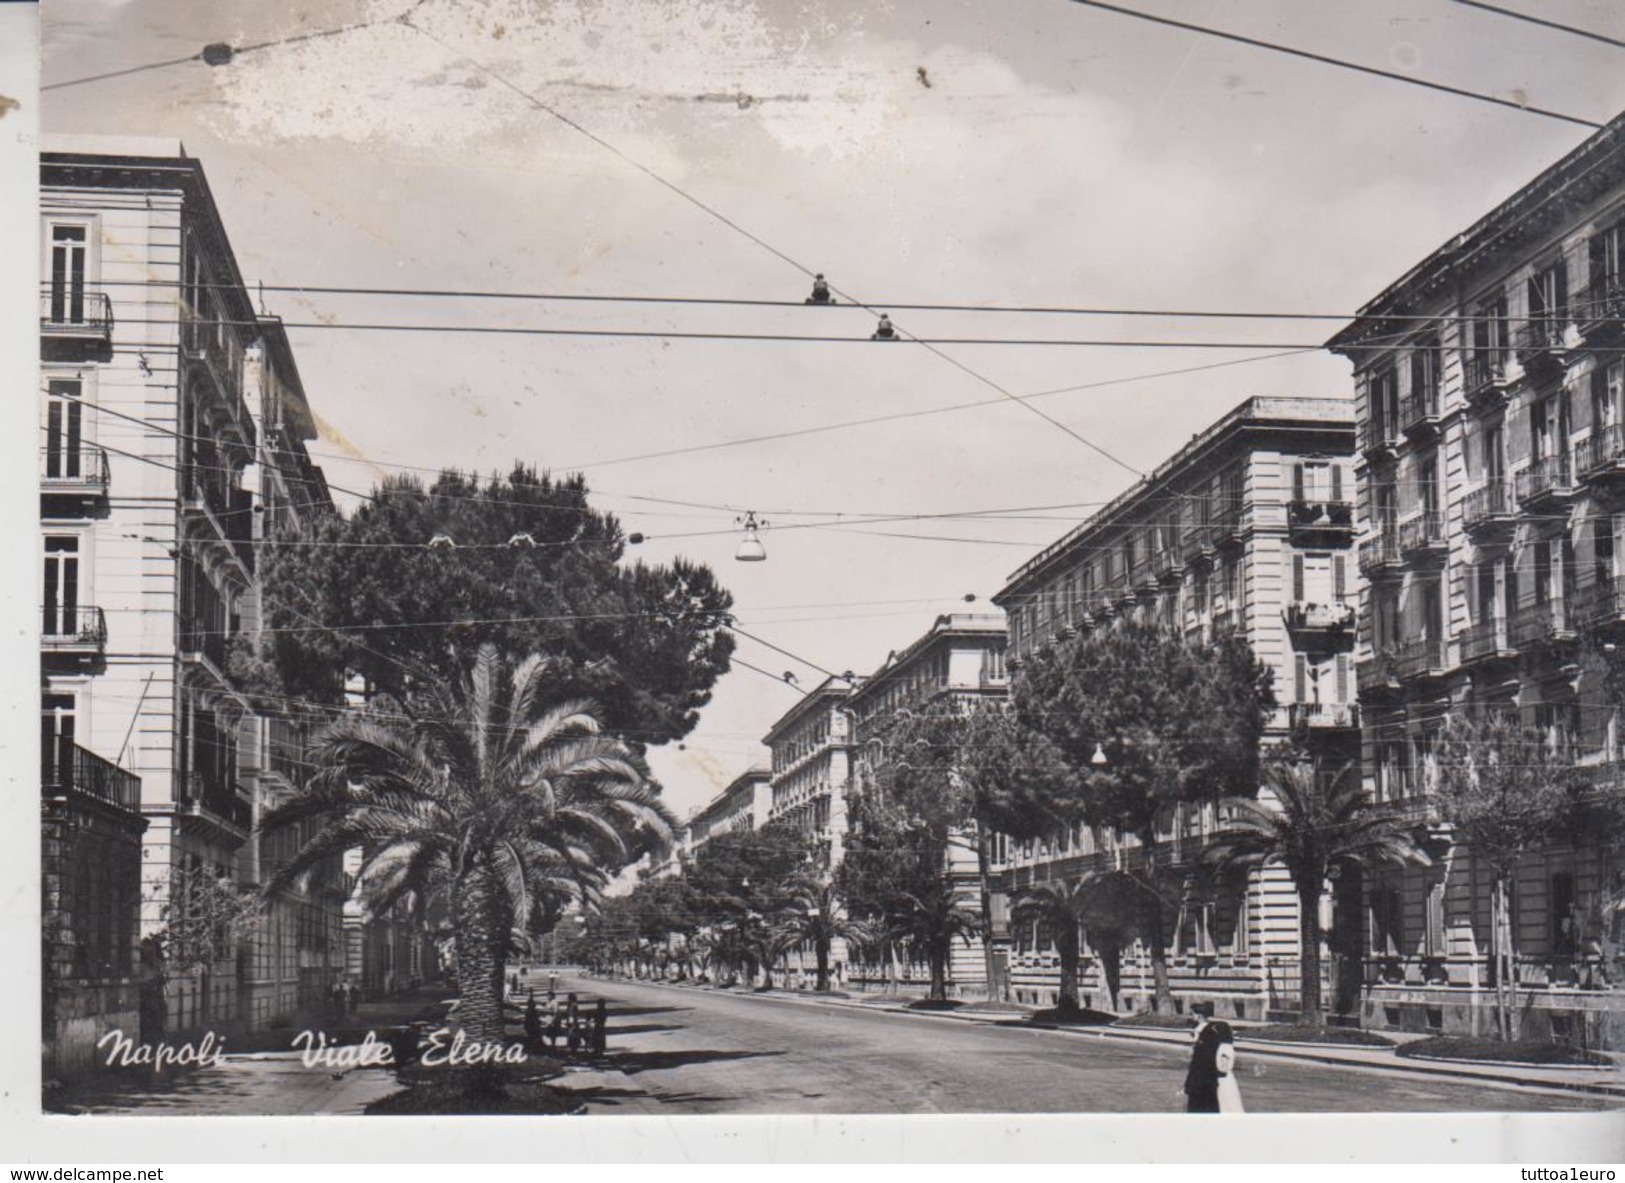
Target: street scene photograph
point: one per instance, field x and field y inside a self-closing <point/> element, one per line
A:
<point x="748" y="557"/>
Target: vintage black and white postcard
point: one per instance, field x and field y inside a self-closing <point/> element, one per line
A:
<point x="731" y="557"/>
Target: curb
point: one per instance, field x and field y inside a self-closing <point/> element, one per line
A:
<point x="1259" y="1047"/>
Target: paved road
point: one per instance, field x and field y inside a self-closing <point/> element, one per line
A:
<point x="701" y="1051"/>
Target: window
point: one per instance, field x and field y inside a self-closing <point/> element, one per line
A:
<point x="68" y="254"/>
<point x="1431" y="609"/>
<point x="1542" y="588"/>
<point x="1607" y="395"/>
<point x="61" y="602"/>
<point x="1384" y="618"/>
<point x="1494" y="453"/>
<point x="1602" y="550"/>
<point x="56" y="739"/>
<point x="64" y="416"/>
<point x="1317" y="481"/>
<point x="1318" y="578"/>
<point x="1425" y="375"/>
<point x="1385" y="506"/>
<point x="1565" y="921"/>
<point x="1548" y="298"/>
<point x="1387" y="929"/>
<point x="1490" y="337"/>
<point x="1549" y="427"/>
<point x="1427" y="482"/>
<point x="1485" y="600"/>
<point x="1384" y="399"/>
<point x="1607" y="251"/>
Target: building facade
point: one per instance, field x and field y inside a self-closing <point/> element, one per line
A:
<point x="746" y="804"/>
<point x="1249" y="527"/>
<point x="958" y="662"/>
<point x="1490" y="386"/>
<point x="173" y="429"/>
<point x="810" y="767"/>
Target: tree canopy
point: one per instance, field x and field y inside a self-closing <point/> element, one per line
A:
<point x="367" y="594"/>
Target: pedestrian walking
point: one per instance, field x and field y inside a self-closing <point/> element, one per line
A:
<point x="600" y="1028"/>
<point x="552" y="984"/>
<point x="554" y="1023"/>
<point x="335" y="999"/>
<point x="1210" y="1082"/>
<point x="533" y="1022"/>
<point x="351" y="997"/>
<point x="572" y="1025"/>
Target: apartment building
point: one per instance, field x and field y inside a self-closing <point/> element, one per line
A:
<point x="958" y="661"/>
<point x="173" y="430"/>
<point x="810" y="767"/>
<point x="1490" y="392"/>
<point x="1250" y="526"/>
<point x="746" y="804"/>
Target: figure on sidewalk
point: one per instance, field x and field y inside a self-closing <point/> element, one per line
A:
<point x="1210" y="1081"/>
<point x="600" y="1028"/>
<point x="572" y="1025"/>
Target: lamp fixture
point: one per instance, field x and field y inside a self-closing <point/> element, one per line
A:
<point x="442" y="542"/>
<point x="750" y="549"/>
<point x="1099" y="758"/>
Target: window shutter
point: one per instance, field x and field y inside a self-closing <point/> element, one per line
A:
<point x="1337" y="481"/>
<point x="1297" y="577"/>
<point x="1340" y="576"/>
<point x="1342" y="675"/>
<point x="1300" y="678"/>
<point x="1297" y="482"/>
<point x="1517" y="432"/>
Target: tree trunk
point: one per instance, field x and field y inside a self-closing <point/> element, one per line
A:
<point x="479" y="966"/>
<point x="1162" y="998"/>
<point x="1309" y="955"/>
<point x="1111" y="968"/>
<point x="1067" y="944"/>
<point x="939" y="974"/>
<point x="821" y="955"/>
<point x="995" y="988"/>
<point x="1506" y="958"/>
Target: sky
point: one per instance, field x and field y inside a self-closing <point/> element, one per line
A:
<point x="947" y="151"/>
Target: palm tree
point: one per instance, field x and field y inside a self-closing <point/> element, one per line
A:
<point x="814" y="916"/>
<point x="486" y="795"/>
<point x="932" y="918"/>
<point x="1059" y="906"/>
<point x="1318" y="822"/>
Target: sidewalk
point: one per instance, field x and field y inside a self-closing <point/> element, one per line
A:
<point x="1600" y="1081"/>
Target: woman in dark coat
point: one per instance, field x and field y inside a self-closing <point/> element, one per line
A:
<point x="600" y="1028"/>
<point x="1202" y="1078"/>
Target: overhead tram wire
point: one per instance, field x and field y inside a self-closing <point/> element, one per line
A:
<point x="232" y="52"/>
<point x="462" y="294"/>
<point x="719" y="216"/>
<point x="1323" y="59"/>
<point x="1543" y="22"/>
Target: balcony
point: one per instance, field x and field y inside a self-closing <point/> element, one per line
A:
<point x="1603" y="311"/>
<point x="1419" y="413"/>
<point x="1489" y="509"/>
<point x="73" y="630"/>
<point x="1602" y="455"/>
<point x="1307" y="617"/>
<point x="1420" y="657"/>
<point x="1547" y="479"/>
<point x="228" y="510"/>
<point x="1197" y="541"/>
<point x="1226" y="525"/>
<point x="1539" y="625"/>
<point x="1601" y="606"/>
<point x="1380" y="554"/>
<point x="212" y="806"/>
<point x="1378" y="439"/>
<point x="1330" y="520"/>
<point x="1540" y="343"/>
<point x="1380" y="676"/>
<point x="77" y="772"/>
<point x="1324" y="716"/>
<point x="1423" y="537"/>
<point x="1486" y="641"/>
<point x="74" y="472"/>
<point x="76" y="324"/>
<point x="1486" y="379"/>
<point x="1168" y="564"/>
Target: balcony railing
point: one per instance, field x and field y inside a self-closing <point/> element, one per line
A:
<point x="1423" y="533"/>
<point x="1601" y="604"/>
<point x="1604" y="306"/>
<point x="73" y="627"/>
<point x="1488" y="505"/>
<point x="1303" y="513"/>
<point x="1484" y="640"/>
<point x="1419" y="656"/>
<point x="79" y="311"/>
<point x="1603" y="453"/>
<point x="1486" y="375"/>
<point x="1421" y="409"/>
<point x="79" y="468"/>
<point x="1378" y="436"/>
<point x="202" y="794"/>
<point x="1540" y="339"/>
<point x="70" y="769"/>
<point x="1316" y="716"/>
<point x="1306" y="616"/>
<point x="1380" y="552"/>
<point x="210" y="642"/>
<point x="1537" y="624"/>
<point x="1168" y="562"/>
<point x="1381" y="672"/>
<point x="1549" y="477"/>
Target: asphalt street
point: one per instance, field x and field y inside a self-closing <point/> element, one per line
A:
<point x="705" y="1051"/>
